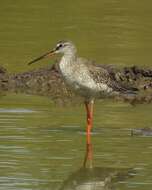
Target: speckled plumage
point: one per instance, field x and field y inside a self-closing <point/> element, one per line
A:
<point x="83" y="76"/>
<point x="87" y="79"/>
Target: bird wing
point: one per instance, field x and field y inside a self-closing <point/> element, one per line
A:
<point x="98" y="73"/>
<point x="103" y="75"/>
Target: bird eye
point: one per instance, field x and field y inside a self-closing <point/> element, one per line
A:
<point x="59" y="46"/>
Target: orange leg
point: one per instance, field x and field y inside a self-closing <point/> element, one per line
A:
<point x="89" y="109"/>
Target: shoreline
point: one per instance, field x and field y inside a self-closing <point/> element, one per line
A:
<point x="47" y="81"/>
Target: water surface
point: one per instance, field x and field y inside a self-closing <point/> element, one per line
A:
<point x="43" y="145"/>
<point x="113" y="31"/>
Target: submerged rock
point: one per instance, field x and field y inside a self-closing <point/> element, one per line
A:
<point x="147" y="131"/>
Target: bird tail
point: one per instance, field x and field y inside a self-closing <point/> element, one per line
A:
<point x="130" y="91"/>
<point x="125" y="89"/>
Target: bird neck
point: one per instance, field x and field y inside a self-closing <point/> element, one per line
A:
<point x="68" y="58"/>
<point x="66" y="64"/>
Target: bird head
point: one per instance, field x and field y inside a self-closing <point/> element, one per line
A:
<point x="65" y="47"/>
<point x="62" y="47"/>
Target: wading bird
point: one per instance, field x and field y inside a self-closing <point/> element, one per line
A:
<point x="84" y="78"/>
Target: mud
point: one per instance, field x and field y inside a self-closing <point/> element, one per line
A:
<point x="48" y="82"/>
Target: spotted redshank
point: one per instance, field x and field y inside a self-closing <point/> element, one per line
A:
<point x="84" y="78"/>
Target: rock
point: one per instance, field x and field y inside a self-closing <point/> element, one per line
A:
<point x="48" y="82"/>
<point x="4" y="78"/>
<point x="142" y="132"/>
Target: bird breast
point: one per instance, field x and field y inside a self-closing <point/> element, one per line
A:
<point x="76" y="74"/>
<point x="78" y="78"/>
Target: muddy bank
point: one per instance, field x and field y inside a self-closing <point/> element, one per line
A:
<point x="48" y="82"/>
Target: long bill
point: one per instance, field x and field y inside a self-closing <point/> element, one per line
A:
<point x="50" y="53"/>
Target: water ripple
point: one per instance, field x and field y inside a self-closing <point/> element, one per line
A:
<point x="17" y="110"/>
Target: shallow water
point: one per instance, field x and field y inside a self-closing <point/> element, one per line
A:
<point x="43" y="146"/>
<point x="113" y="31"/>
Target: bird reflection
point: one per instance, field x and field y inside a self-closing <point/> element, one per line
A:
<point x="88" y="159"/>
<point x="89" y="177"/>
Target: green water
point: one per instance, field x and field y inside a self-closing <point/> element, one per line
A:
<point x="108" y="31"/>
<point x="42" y="145"/>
